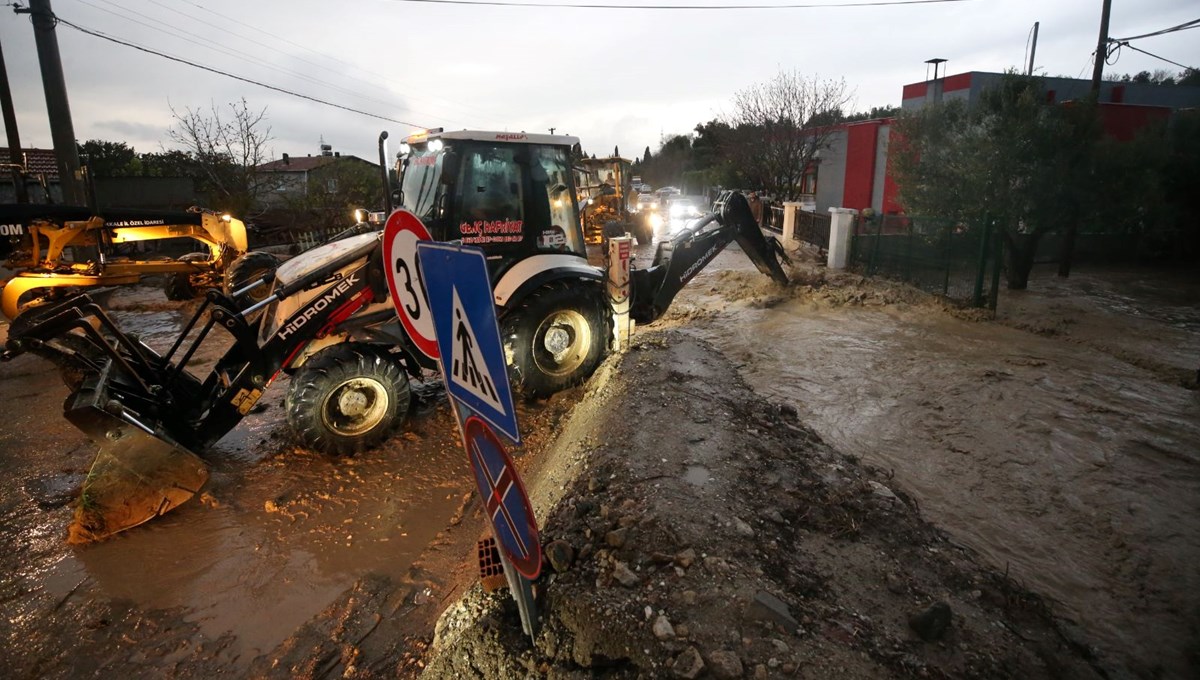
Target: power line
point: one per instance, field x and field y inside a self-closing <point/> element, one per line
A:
<point x="570" y="5"/>
<point x="381" y="78"/>
<point x="1195" y="23"/>
<point x="181" y="35"/>
<point x="1119" y="45"/>
<point x="256" y="40"/>
<point x="210" y="69"/>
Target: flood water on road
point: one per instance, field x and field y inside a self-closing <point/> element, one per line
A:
<point x="278" y="534"/>
<point x="1068" y="456"/>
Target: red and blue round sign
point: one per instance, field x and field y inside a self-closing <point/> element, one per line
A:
<point x="504" y="499"/>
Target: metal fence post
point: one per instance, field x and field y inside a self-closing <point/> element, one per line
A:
<point x="981" y="265"/>
<point x="875" y="245"/>
<point x="908" y="249"/>
<point x="998" y="262"/>
<point x="948" y="234"/>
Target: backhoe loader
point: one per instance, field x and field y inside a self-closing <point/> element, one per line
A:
<point x="327" y="320"/>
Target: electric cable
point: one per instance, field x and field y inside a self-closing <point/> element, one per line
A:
<point x="1195" y="23"/>
<point x="379" y="80"/>
<point x="1150" y="54"/>
<point x="570" y="5"/>
<point x="317" y="100"/>
<point x="181" y="35"/>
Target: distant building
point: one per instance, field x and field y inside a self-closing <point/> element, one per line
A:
<point x="298" y="178"/>
<point x="39" y="167"/>
<point x="852" y="172"/>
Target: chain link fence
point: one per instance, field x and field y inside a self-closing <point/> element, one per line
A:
<point x="954" y="259"/>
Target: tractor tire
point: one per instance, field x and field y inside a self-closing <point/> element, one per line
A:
<point x="245" y="270"/>
<point x="346" y="399"/>
<point x="181" y="285"/>
<point x="556" y="337"/>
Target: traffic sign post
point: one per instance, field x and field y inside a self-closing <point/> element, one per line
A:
<point x="468" y="338"/>
<point x="476" y="378"/>
<point x="504" y="499"/>
<point x="401" y="233"/>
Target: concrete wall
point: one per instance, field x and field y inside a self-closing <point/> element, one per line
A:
<point x="831" y="173"/>
<point x="146" y="192"/>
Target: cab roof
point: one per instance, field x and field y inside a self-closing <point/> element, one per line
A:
<point x="493" y="136"/>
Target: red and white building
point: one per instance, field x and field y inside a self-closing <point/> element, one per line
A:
<point x="852" y="172"/>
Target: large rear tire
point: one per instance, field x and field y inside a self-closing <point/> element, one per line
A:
<point x="556" y="337"/>
<point x="346" y="399"/>
<point x="182" y="285"/>
<point x="247" y="269"/>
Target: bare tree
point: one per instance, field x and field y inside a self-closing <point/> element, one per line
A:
<point x="227" y="152"/>
<point x="779" y="126"/>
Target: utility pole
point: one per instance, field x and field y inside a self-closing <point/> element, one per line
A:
<point x="14" y="139"/>
<point x="1033" y="48"/>
<point x="62" y="132"/>
<point x="1101" y="48"/>
<point x="1068" y="246"/>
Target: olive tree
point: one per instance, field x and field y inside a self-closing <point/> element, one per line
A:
<point x="1009" y="158"/>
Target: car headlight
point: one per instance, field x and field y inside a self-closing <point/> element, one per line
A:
<point x="656" y="220"/>
<point x="677" y="210"/>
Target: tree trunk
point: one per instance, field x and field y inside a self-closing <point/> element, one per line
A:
<point x="1021" y="249"/>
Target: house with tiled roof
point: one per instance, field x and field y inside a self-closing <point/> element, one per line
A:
<point x="38" y="165"/>
<point x="298" y="178"/>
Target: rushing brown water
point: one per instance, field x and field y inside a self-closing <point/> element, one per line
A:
<point x="1069" y="456"/>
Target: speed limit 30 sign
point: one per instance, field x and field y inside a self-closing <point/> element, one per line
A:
<point x="400" y="235"/>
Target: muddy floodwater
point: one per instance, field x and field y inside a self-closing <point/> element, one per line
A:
<point x="1059" y="442"/>
<point x="278" y="534"/>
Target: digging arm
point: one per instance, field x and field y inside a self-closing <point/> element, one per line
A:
<point x="680" y="259"/>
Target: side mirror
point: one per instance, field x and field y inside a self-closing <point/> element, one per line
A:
<point x="450" y="164"/>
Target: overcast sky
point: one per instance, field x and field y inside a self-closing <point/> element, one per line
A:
<point x="611" y="77"/>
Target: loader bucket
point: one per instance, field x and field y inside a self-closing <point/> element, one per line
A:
<point x="134" y="478"/>
<point x="764" y="251"/>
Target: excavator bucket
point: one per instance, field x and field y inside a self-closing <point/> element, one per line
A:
<point x="764" y="251"/>
<point x="134" y="478"/>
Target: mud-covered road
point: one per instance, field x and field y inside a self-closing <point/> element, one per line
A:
<point x="1057" y="443"/>
<point x="278" y="534"/>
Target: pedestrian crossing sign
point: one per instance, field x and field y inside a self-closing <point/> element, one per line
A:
<point x="464" y="319"/>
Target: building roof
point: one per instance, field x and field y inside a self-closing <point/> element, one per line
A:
<point x="306" y="163"/>
<point x="37" y="161"/>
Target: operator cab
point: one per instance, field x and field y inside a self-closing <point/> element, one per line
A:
<point x="510" y="193"/>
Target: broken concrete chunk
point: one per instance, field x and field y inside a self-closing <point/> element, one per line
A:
<point x="742" y="528"/>
<point x="662" y="629"/>
<point x="624" y="576"/>
<point x="560" y="554"/>
<point x="686" y="558"/>
<point x="725" y="665"/>
<point x="688" y="664"/>
<point x="767" y="607"/>
<point x="617" y="537"/>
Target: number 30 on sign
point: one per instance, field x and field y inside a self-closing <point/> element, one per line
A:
<point x="400" y="236"/>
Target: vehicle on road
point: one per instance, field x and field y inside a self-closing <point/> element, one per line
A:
<point x="606" y="198"/>
<point x="58" y="250"/>
<point x="329" y="322"/>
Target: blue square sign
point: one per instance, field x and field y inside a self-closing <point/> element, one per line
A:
<point x="468" y="337"/>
